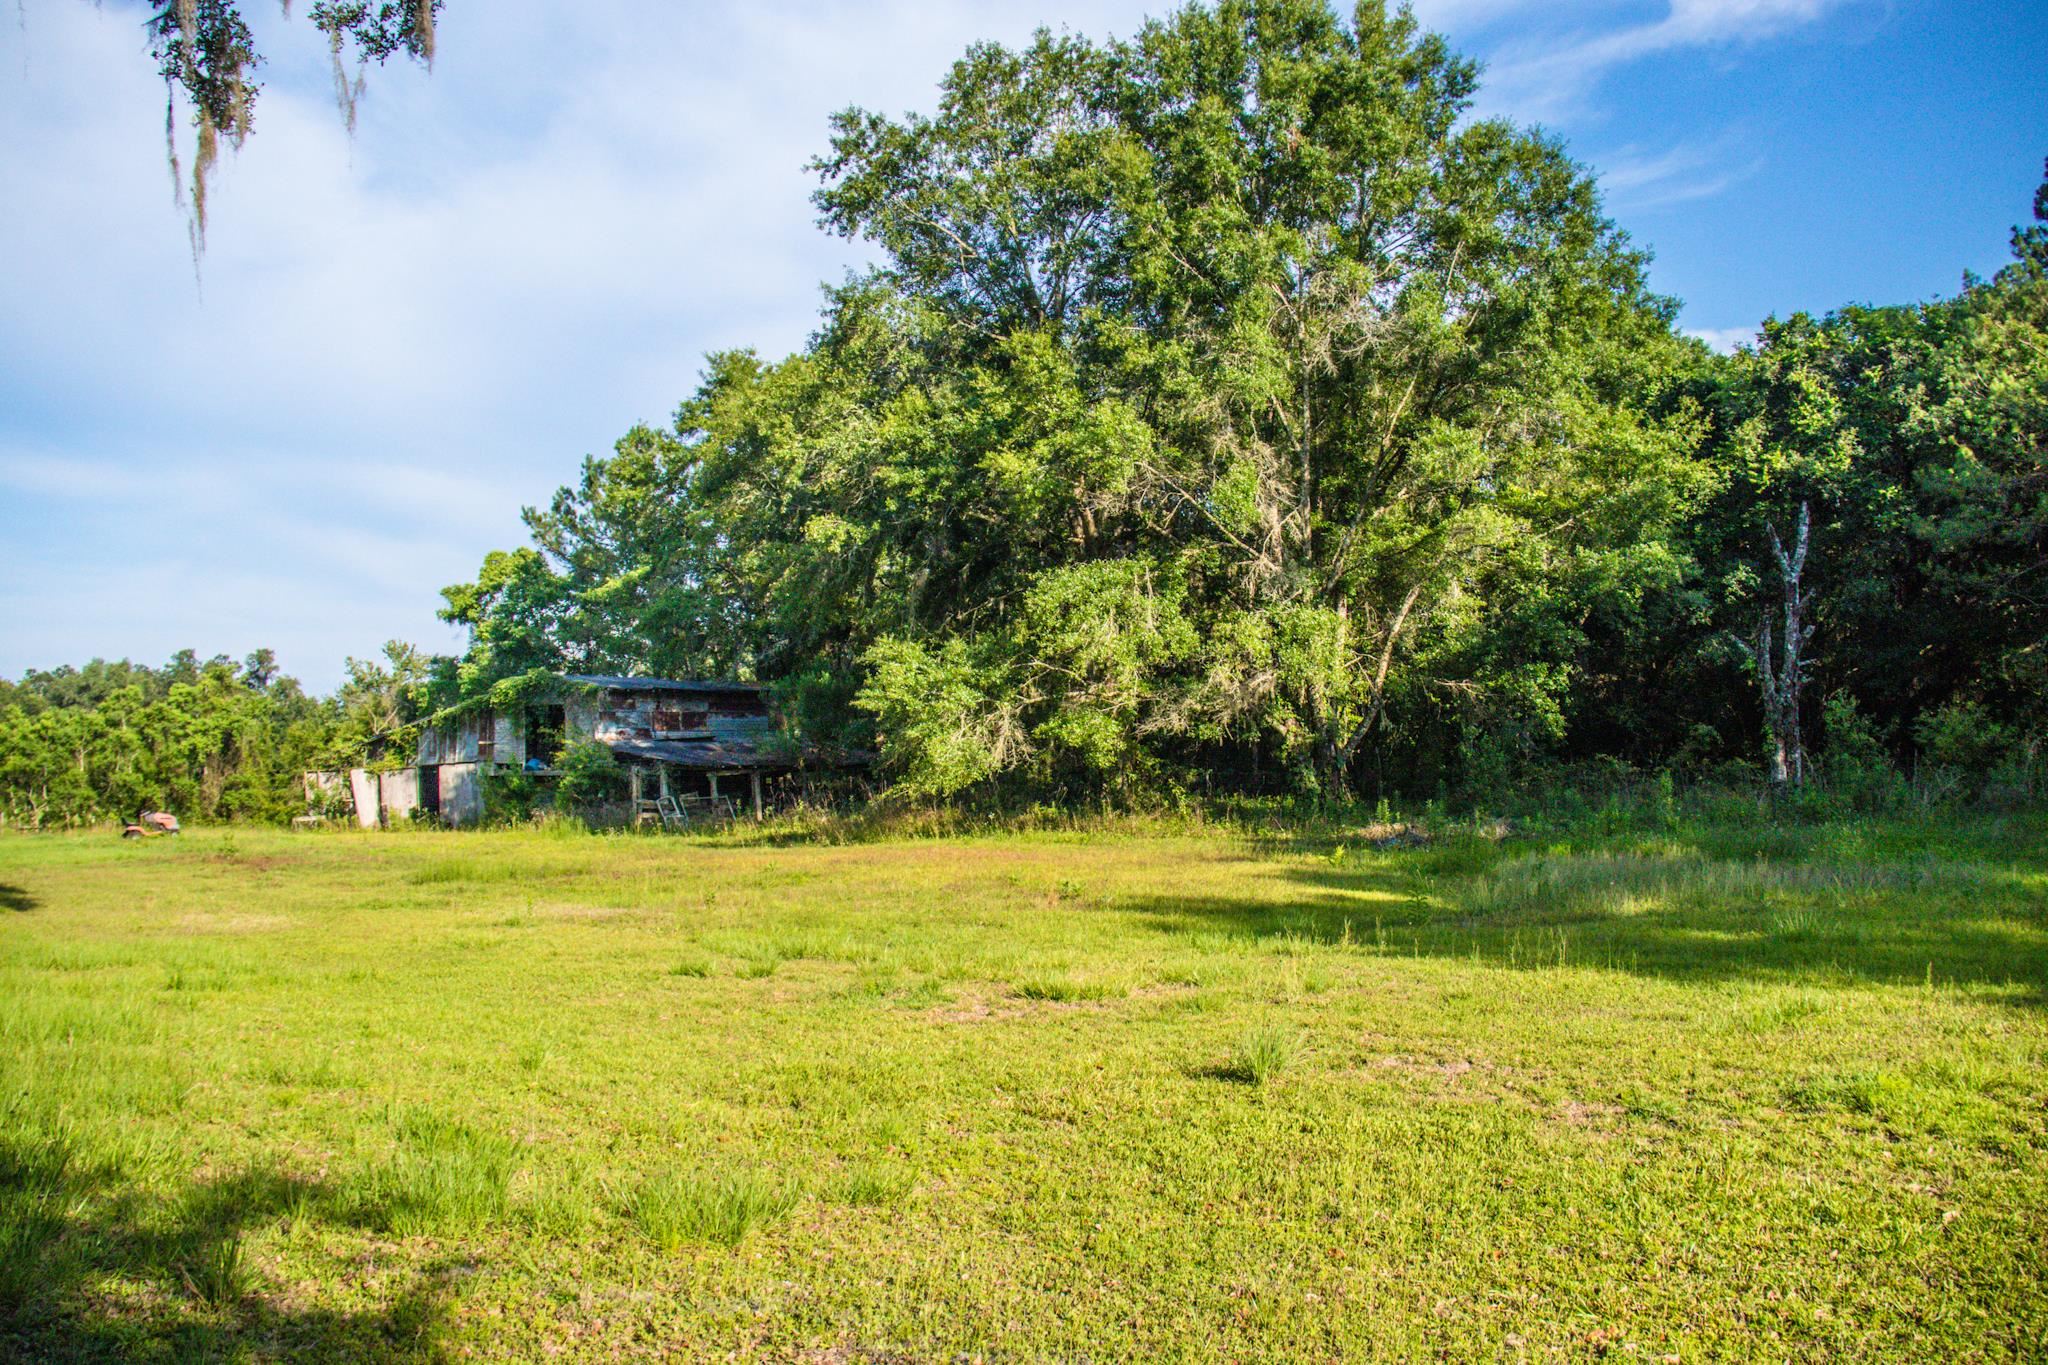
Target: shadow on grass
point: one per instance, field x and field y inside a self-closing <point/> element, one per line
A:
<point x="1679" y="913"/>
<point x="16" y="898"/>
<point x="67" y="1226"/>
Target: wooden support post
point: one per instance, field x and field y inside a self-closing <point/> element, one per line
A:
<point x="754" y="778"/>
<point x="663" y="771"/>
<point x="714" y="786"/>
<point x="633" y="780"/>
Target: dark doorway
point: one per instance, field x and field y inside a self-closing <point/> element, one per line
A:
<point x="544" y="725"/>
<point x="430" y="789"/>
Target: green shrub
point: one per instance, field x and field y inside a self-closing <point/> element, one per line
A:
<point x="510" y="797"/>
<point x="1963" y="736"/>
<point x="589" y="776"/>
<point x="1858" y="768"/>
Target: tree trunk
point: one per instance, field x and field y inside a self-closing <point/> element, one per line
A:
<point x="1333" y="766"/>
<point x="1781" y="677"/>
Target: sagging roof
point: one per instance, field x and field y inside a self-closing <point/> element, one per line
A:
<point x="715" y="755"/>
<point x="660" y="684"/>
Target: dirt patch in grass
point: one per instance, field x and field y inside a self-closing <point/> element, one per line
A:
<point x="982" y="1009"/>
<point x="201" y="922"/>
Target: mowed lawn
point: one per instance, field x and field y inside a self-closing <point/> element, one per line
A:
<point x="1720" y="1094"/>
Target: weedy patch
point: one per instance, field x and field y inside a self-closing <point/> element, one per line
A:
<point x="1260" y="1055"/>
<point x="678" y="1208"/>
<point x="442" y="1177"/>
<point x="873" y="1183"/>
<point x="1065" y="989"/>
<point x="220" y="1274"/>
<point x="1878" y="1094"/>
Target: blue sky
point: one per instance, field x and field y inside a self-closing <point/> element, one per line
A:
<point x="402" y="338"/>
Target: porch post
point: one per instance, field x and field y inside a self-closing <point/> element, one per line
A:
<point x="754" y="779"/>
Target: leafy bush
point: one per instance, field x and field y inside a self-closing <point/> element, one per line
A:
<point x="1963" y="736"/>
<point x="510" y="797"/>
<point x="589" y="776"/>
<point x="1858" y="768"/>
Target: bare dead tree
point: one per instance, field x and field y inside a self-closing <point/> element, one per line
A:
<point x="1782" y="675"/>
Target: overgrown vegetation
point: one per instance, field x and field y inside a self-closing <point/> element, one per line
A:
<point x="1232" y="416"/>
<point x="1663" y="1079"/>
<point x="1229" y="414"/>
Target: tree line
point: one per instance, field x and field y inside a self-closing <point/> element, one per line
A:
<point x="1231" y="413"/>
<point x="1232" y="410"/>
<point x="209" y="739"/>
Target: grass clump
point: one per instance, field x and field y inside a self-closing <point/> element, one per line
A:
<point x="678" y="1209"/>
<point x="443" y="1177"/>
<point x="1261" y="1055"/>
<point x="220" y="1274"/>
<point x="1064" y="989"/>
<point x="873" y="1183"/>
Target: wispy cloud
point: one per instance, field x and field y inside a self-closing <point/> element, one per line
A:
<point x="1551" y="74"/>
<point x="403" y="338"/>
<point x="1636" y="180"/>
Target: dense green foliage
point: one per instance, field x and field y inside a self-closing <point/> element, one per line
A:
<point x="1230" y="413"/>
<point x="209" y="740"/>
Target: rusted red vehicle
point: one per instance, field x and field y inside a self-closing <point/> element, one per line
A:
<point x="150" y="824"/>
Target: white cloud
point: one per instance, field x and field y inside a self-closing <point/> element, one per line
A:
<point x="1551" y="75"/>
<point x="1634" y="180"/>
<point x="1724" y="339"/>
<point x="400" y="339"/>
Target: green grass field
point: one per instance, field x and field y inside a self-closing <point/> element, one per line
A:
<point x="1721" y="1094"/>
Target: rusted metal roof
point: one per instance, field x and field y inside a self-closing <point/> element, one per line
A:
<point x="708" y="754"/>
<point x="660" y="684"/>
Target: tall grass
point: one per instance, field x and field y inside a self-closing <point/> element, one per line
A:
<point x="679" y="1208"/>
<point x="441" y="1177"/>
<point x="1261" y="1055"/>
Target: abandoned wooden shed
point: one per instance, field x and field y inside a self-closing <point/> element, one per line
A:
<point x="688" y="747"/>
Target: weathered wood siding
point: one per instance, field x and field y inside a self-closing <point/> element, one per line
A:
<point x="622" y="714"/>
<point x="398" y="794"/>
<point x="609" y="716"/>
<point x="472" y="739"/>
<point x="362" y="784"/>
<point x="462" y="793"/>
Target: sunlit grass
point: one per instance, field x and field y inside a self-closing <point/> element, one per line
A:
<point x="1103" y="1092"/>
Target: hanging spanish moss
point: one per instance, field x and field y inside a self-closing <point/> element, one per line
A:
<point x="204" y="49"/>
<point x="347" y="90"/>
<point x="207" y="56"/>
